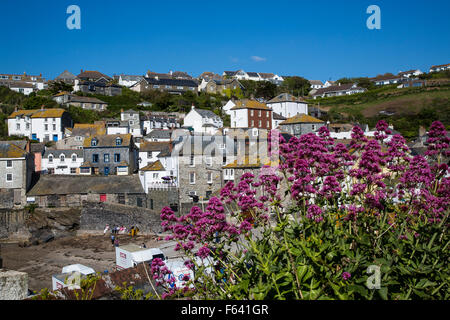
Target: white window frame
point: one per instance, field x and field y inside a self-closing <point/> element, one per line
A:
<point x="12" y="177"/>
<point x="191" y="174"/>
<point x="10" y="162"/>
<point x="209" y="177"/>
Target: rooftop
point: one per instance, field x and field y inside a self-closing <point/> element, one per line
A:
<point x="301" y="118"/>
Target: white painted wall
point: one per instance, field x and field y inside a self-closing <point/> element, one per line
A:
<point x="239" y="118"/>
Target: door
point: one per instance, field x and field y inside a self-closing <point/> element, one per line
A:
<point x="34" y="136"/>
<point x="55" y="137"/>
<point x="106" y="171"/>
<point x="103" y="198"/>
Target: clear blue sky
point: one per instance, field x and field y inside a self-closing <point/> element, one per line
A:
<point x="314" y="39"/>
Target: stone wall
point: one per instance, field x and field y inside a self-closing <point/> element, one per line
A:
<point x="95" y="216"/>
<point x="11" y="221"/>
<point x="13" y="285"/>
<point x="160" y="198"/>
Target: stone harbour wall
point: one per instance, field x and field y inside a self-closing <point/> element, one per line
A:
<point x="95" y="216"/>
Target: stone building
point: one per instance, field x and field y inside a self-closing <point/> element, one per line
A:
<point x="16" y="173"/>
<point x="200" y="159"/>
<point x="114" y="154"/>
<point x="72" y="190"/>
<point x="301" y="124"/>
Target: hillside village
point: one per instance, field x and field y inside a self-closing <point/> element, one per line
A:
<point x="167" y="139"/>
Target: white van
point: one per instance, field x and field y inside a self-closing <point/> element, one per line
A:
<point x="130" y="255"/>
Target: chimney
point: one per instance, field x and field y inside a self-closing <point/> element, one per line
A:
<point x="193" y="107"/>
<point x="81" y="71"/>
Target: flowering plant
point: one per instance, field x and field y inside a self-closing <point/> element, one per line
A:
<point x="319" y="225"/>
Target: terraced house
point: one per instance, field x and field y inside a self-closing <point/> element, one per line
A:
<point x="16" y="169"/>
<point x="114" y="154"/>
<point x="41" y="124"/>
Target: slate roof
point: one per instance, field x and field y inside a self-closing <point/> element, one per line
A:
<point x="13" y="149"/>
<point x="172" y="82"/>
<point x="161" y="134"/>
<point x="250" y="104"/>
<point x="285" y="97"/>
<point x="108" y="140"/>
<point x="85" y="129"/>
<point x="277" y="116"/>
<point x="66" y="75"/>
<point x="301" y="118"/>
<point x="74" y="98"/>
<point x="253" y="74"/>
<point x="39" y="113"/>
<point x="316" y="82"/>
<point x="154" y="166"/>
<point x="83" y="184"/>
<point x="150" y="146"/>
<point x="206" y="113"/>
<point x="93" y="75"/>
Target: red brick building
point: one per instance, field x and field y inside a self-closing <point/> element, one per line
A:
<point x="251" y="114"/>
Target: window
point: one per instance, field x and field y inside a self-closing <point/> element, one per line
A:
<point x="251" y="113"/>
<point x="27" y="126"/>
<point x="117" y="157"/>
<point x="9" y="163"/>
<point x="224" y="160"/>
<point x="106" y="157"/>
<point x="95" y="158"/>
<point x="94" y="142"/>
<point x="260" y="123"/>
<point x="50" y="159"/>
<point x="267" y="113"/>
<point x="253" y="123"/>
<point x="51" y="170"/>
<point x="74" y="158"/>
<point x="85" y="170"/>
<point x="45" y="120"/>
<point x="46" y="127"/>
<point x="155" y="175"/>
<point x="53" y="119"/>
<point x="54" y="127"/>
<point x="73" y="170"/>
<point x="9" y="177"/>
<point x="18" y="126"/>
<point x="46" y="137"/>
<point x="119" y="140"/>
<point x="267" y="124"/>
<point x="192" y="161"/>
<point x="192" y="178"/>
<point x="314" y="127"/>
<point x="260" y="113"/>
<point x="210" y="177"/>
<point x="62" y="158"/>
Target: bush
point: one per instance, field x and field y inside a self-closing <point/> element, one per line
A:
<point x="364" y="222"/>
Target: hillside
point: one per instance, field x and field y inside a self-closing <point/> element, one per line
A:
<point x="406" y="108"/>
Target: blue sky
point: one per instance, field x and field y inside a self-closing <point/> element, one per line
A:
<point x="314" y="39"/>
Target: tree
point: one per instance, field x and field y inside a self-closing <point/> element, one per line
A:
<point x="298" y="86"/>
<point x="266" y="90"/>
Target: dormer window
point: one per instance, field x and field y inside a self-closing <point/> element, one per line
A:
<point x="50" y="158"/>
<point x="118" y="141"/>
<point x="74" y="158"/>
<point x="94" y="142"/>
<point x="62" y="158"/>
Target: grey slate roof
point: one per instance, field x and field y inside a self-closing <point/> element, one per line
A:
<point x="206" y="113"/>
<point x="172" y="82"/>
<point x="161" y="134"/>
<point x="81" y="184"/>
